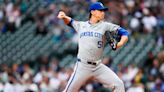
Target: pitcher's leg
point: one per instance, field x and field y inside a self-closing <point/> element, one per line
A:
<point x="107" y="77"/>
<point x="78" y="78"/>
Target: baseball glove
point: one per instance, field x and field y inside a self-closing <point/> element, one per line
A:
<point x="112" y="39"/>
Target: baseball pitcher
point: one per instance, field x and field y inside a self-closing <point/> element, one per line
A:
<point x="92" y="35"/>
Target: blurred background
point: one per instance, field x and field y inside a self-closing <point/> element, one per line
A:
<point x="38" y="52"/>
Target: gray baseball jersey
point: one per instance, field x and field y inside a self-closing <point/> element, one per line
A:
<point x="91" y="45"/>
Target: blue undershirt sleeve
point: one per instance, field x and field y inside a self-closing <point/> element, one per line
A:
<point x="122" y="31"/>
<point x="70" y="23"/>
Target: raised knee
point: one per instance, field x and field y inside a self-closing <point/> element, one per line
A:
<point x="119" y="86"/>
<point x="120" y="83"/>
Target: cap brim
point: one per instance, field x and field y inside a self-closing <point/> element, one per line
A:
<point x="103" y="9"/>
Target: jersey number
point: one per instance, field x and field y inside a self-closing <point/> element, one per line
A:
<point x="100" y="44"/>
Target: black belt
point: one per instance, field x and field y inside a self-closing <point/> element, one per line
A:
<point x="92" y="63"/>
<point x="88" y="62"/>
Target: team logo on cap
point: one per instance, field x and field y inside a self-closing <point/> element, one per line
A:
<point x="101" y="4"/>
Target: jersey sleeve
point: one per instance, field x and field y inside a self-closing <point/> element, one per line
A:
<point x="75" y="24"/>
<point x="116" y="29"/>
<point x="111" y="27"/>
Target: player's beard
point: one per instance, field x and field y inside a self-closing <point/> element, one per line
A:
<point x="99" y="18"/>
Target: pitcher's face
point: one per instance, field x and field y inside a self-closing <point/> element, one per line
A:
<point x="99" y="14"/>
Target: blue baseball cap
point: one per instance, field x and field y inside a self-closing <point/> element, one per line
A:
<point x="97" y="6"/>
